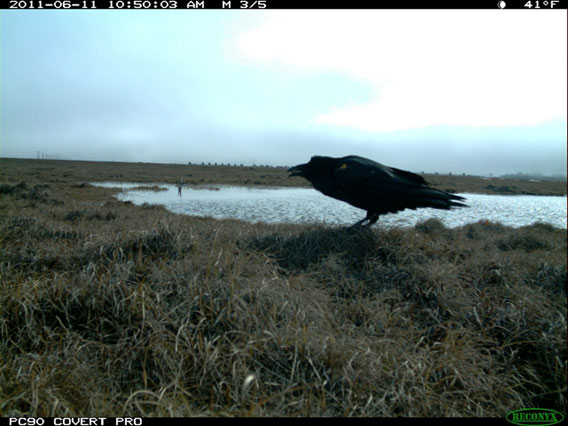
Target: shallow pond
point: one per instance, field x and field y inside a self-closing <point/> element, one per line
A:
<point x="306" y="205"/>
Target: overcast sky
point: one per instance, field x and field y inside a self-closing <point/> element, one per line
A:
<point x="459" y="91"/>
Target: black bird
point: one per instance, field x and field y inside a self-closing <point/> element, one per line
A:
<point x="371" y="186"/>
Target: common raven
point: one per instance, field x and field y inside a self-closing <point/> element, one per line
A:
<point x="371" y="186"/>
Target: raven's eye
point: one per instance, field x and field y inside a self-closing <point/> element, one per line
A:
<point x="343" y="166"/>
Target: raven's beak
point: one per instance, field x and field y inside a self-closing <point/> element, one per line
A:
<point x="298" y="170"/>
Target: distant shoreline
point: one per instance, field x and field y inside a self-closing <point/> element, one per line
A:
<point x="41" y="171"/>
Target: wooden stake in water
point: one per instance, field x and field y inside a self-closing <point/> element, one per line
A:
<point x="180" y="184"/>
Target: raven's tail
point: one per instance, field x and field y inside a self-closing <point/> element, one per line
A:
<point x="458" y="203"/>
<point x="440" y="199"/>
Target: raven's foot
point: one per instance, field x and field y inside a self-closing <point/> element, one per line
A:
<point x="370" y="219"/>
<point x="359" y="224"/>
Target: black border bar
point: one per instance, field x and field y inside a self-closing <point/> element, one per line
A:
<point x="533" y="5"/>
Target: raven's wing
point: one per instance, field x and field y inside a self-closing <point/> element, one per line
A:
<point x="373" y="186"/>
<point x="359" y="176"/>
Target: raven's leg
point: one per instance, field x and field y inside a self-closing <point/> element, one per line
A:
<point x="359" y="223"/>
<point x="372" y="218"/>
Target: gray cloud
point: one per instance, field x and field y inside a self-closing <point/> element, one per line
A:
<point x="167" y="88"/>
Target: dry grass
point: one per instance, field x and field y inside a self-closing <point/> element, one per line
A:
<point x="108" y="309"/>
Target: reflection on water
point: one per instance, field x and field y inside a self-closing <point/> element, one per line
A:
<point x="306" y="205"/>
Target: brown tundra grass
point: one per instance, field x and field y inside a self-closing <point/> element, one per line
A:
<point x="109" y="309"/>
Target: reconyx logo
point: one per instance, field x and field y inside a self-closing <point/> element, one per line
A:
<point x="535" y="416"/>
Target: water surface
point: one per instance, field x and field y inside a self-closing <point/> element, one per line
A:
<point x="306" y="205"/>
